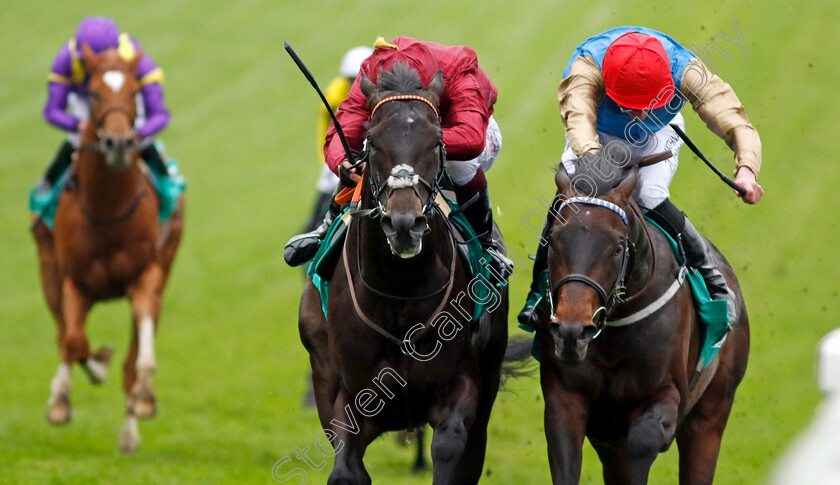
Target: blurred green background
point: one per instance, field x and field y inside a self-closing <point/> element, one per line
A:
<point x="231" y="369"/>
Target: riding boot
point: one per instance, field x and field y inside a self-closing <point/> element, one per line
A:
<point x="303" y="247"/>
<point x="479" y="213"/>
<point x="529" y="316"/>
<point x="61" y="160"/>
<point x="698" y="255"/>
<point x="154" y="160"/>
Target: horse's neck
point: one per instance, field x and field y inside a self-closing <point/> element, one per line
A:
<point x="643" y="258"/>
<point x="104" y="191"/>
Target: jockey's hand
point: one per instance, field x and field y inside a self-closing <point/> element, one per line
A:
<point x="348" y="174"/>
<point x="83" y="126"/>
<point x="746" y="179"/>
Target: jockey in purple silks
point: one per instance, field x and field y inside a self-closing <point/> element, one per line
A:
<point x="68" y="87"/>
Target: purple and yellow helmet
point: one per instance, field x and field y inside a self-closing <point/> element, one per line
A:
<point x="100" y="33"/>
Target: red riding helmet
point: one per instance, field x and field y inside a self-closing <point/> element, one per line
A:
<point x="637" y="72"/>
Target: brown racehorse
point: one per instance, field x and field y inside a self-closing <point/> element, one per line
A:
<point x="106" y="244"/>
<point x="628" y="390"/>
<point x="376" y="365"/>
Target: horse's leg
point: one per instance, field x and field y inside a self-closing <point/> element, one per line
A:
<point x="96" y="364"/>
<point x="58" y="404"/>
<point x="351" y="440"/>
<point x="140" y="363"/>
<point x="700" y="433"/>
<point x="452" y="417"/>
<point x="74" y="348"/>
<point x="420" y="457"/>
<point x="566" y="413"/>
<point x="472" y="461"/>
<point x="171" y="238"/>
<point x="313" y="334"/>
<point x="618" y="468"/>
<point x="652" y="433"/>
<point x="145" y="309"/>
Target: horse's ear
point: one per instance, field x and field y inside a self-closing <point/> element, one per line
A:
<point x="436" y="86"/>
<point x="562" y="180"/>
<point x="621" y="194"/>
<point x="89" y="56"/>
<point x="134" y="62"/>
<point x="368" y="88"/>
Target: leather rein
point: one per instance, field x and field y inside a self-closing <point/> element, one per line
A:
<point x="402" y="176"/>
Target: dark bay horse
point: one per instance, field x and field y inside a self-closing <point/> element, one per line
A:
<point x="626" y="387"/>
<point x="106" y="244"/>
<point x="395" y="352"/>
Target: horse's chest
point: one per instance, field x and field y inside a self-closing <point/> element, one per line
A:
<point x="108" y="271"/>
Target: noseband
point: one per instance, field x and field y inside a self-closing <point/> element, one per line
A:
<point x="608" y="300"/>
<point x="403" y="176"/>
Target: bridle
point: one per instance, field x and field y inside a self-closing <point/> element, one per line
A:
<point x="402" y="175"/>
<point x="616" y="294"/>
<point x="106" y="145"/>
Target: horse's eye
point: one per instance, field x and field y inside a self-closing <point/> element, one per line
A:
<point x="619" y="249"/>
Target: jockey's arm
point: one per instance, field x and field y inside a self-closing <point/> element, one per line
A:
<point x="578" y="95"/>
<point x="60" y="80"/>
<point x="718" y="106"/>
<point x="55" y="109"/>
<point x="465" y="122"/>
<point x="151" y="82"/>
<point x="352" y="115"/>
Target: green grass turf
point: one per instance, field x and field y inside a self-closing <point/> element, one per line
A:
<point x="231" y="368"/>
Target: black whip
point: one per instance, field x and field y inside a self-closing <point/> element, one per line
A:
<point x="697" y="152"/>
<point x="347" y="151"/>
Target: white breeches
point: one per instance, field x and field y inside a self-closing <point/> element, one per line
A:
<point x="653" y="179"/>
<point x="462" y="171"/>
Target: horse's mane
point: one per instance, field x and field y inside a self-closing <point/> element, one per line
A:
<point x="602" y="171"/>
<point x="401" y="79"/>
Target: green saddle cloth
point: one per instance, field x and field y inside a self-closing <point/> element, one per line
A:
<point x="714" y="320"/>
<point x="168" y="186"/>
<point x="469" y="249"/>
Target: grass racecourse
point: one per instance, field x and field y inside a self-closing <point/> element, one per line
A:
<point x="231" y="369"/>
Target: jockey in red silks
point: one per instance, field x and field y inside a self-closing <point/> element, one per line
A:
<point x="470" y="133"/>
<point x="68" y="88"/>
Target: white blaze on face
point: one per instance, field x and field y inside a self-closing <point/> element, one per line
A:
<point x="114" y="80"/>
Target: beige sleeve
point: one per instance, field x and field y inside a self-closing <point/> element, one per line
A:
<point x="579" y="94"/>
<point x="718" y="106"/>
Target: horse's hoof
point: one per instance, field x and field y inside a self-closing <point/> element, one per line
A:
<point x="142" y="401"/>
<point x="129" y="435"/>
<point x="97" y="364"/>
<point x="59" y="412"/>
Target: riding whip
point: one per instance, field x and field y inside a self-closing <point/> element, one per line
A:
<point x="699" y="154"/>
<point x="347" y="151"/>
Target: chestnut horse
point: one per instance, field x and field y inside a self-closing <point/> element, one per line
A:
<point x="376" y="365"/>
<point x="625" y="385"/>
<point x="107" y="243"/>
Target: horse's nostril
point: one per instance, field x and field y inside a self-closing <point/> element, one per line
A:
<point x="387" y="224"/>
<point x="420" y="226"/>
<point x="109" y="143"/>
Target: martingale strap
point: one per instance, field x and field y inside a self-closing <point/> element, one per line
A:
<point x="655" y="306"/>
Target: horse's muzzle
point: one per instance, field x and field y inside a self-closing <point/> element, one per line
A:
<point x="405" y="232"/>
<point x="571" y="340"/>
<point x="118" y="150"/>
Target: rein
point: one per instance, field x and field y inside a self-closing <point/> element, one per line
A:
<point x="405" y="344"/>
<point x="402" y="176"/>
<point x="616" y="295"/>
<point x="106" y="221"/>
